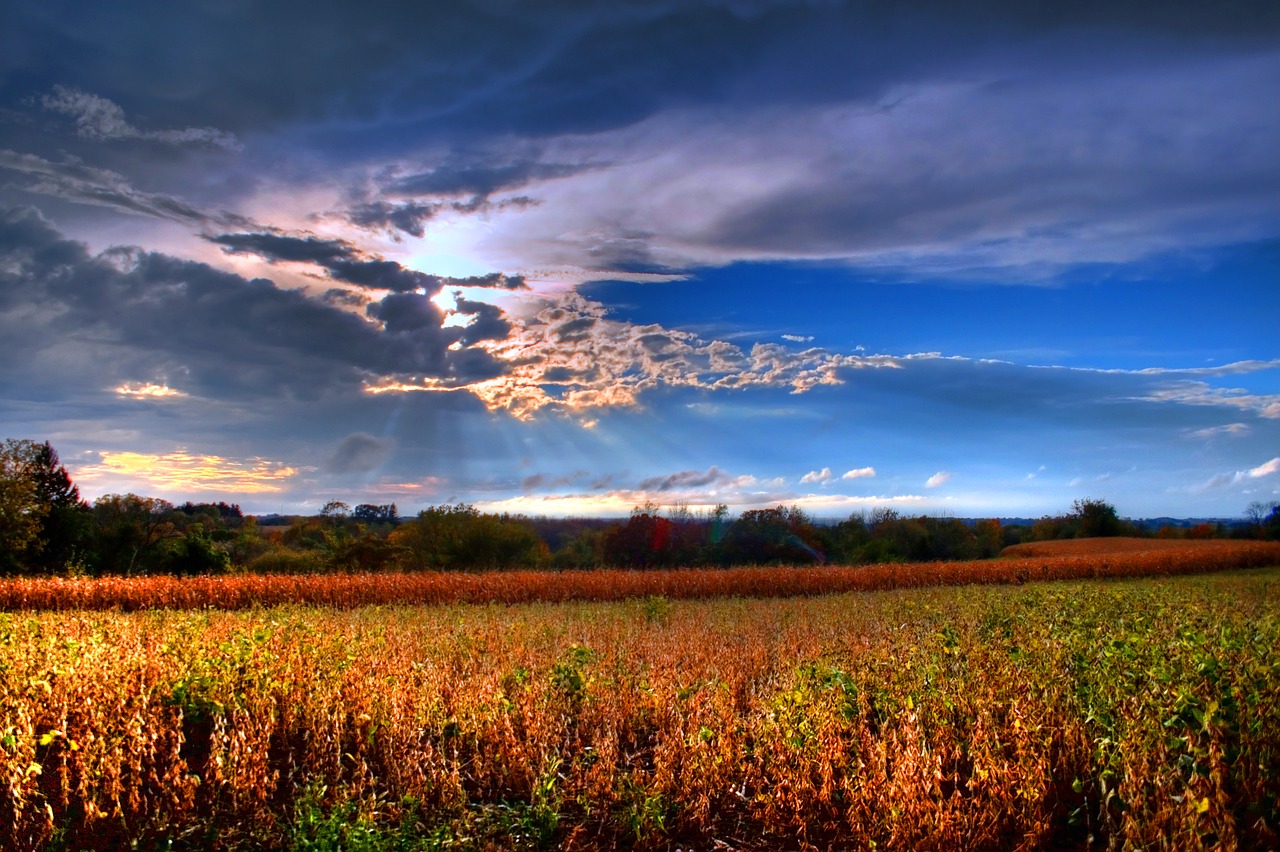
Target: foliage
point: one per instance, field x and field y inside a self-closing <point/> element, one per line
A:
<point x="1136" y="714"/>
<point x="461" y="537"/>
<point x="21" y="511"/>
<point x="779" y="535"/>
<point x="379" y="514"/>
<point x="1095" y="518"/>
<point x="129" y="531"/>
<point x="43" y="522"/>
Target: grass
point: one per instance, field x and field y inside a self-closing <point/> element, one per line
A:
<point x="1122" y="713"/>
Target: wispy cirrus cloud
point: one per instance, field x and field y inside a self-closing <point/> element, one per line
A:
<point x="104" y="120"/>
<point x="76" y="181"/>
<point x="1234" y="430"/>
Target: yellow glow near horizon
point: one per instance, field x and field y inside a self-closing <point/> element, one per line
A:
<point x="622" y="502"/>
<point x="184" y="472"/>
<point x="147" y="390"/>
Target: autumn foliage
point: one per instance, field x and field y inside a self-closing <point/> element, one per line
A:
<point x="1065" y="560"/>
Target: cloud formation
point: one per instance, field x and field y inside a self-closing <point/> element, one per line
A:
<point x="938" y="479"/>
<point x="567" y="355"/>
<point x="227" y="335"/>
<point x="183" y="472"/>
<point x="100" y="119"/>
<point x="344" y="262"/>
<point x="73" y="180"/>
<point x="817" y="477"/>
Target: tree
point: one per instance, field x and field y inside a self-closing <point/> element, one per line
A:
<point x="335" y="511"/>
<point x="1096" y="518"/>
<point x="1257" y="513"/>
<point x="129" y="530"/>
<point x="368" y="513"/>
<point x="460" y="537"/>
<point x="1271" y="526"/>
<point x="644" y="540"/>
<point x="777" y="535"/>
<point x="21" y="510"/>
<point x="64" y="528"/>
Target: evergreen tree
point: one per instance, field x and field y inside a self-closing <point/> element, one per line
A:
<point x="64" y="526"/>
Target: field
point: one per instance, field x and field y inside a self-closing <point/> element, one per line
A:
<point x="1140" y="713"/>
<point x="1066" y="560"/>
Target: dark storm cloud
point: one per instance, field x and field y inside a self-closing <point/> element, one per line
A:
<point x="407" y="72"/>
<point x="411" y="218"/>
<point x="339" y="258"/>
<point x="284" y="247"/>
<point x="686" y="479"/>
<point x="406" y="312"/>
<point x="344" y="298"/>
<point x="231" y="336"/>
<point x="344" y="262"/>
<point x="488" y="323"/>
<point x="359" y="453"/>
<point x="495" y="280"/>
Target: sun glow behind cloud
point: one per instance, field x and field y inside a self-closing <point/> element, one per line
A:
<point x="182" y="472"/>
<point x="148" y="390"/>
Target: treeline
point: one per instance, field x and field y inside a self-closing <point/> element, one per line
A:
<point x="46" y="528"/>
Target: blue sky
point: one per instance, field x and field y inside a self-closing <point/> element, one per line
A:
<point x="563" y="258"/>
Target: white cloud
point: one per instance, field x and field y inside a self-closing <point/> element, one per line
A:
<point x="939" y="478"/>
<point x="1201" y="393"/>
<point x="859" y="473"/>
<point x="1267" y="469"/>
<point x="798" y="338"/>
<point x="1222" y="480"/>
<point x="817" y="476"/>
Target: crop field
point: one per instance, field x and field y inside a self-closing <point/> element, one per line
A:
<point x="1141" y="713"/>
<point x="1069" y="560"/>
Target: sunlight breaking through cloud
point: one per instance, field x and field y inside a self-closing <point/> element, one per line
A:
<point x="568" y="355"/>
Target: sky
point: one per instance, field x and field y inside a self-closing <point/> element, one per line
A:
<point x="570" y="258"/>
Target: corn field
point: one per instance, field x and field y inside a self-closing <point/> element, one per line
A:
<point x="1137" y="713"/>
<point x="1072" y="560"/>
